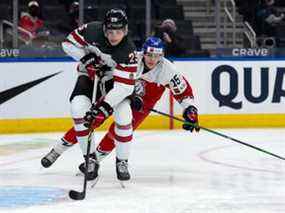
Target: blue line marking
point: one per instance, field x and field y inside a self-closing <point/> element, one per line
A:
<point x="55" y="59"/>
<point x="25" y="196"/>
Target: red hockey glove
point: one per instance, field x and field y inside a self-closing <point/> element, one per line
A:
<point x="97" y="114"/>
<point x="89" y="64"/>
<point x="191" y="116"/>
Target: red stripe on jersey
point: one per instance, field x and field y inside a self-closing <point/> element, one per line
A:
<point x="82" y="133"/>
<point x="124" y="80"/>
<point x="78" y="38"/>
<point x="122" y="139"/>
<point x="126" y="69"/>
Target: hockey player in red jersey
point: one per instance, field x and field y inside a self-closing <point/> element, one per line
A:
<point x="156" y="73"/>
<point x="107" y="51"/>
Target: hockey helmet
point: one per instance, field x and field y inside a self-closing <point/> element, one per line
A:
<point x="153" y="45"/>
<point x="116" y="19"/>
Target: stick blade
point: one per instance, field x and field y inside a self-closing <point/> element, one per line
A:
<point x="75" y="195"/>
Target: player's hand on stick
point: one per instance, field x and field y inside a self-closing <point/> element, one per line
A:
<point x="190" y="115"/>
<point x="97" y="114"/>
<point x="89" y="65"/>
<point x="105" y="59"/>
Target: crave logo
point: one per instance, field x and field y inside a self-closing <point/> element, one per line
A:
<point x="232" y="82"/>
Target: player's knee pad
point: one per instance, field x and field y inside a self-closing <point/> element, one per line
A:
<point x="123" y="113"/>
<point x="79" y="106"/>
<point x="123" y="122"/>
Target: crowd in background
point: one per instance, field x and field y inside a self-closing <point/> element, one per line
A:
<point x="265" y="16"/>
<point x="38" y="32"/>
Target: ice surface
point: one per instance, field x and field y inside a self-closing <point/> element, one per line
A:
<point x="172" y="172"/>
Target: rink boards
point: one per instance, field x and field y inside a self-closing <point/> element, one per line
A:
<point x="34" y="94"/>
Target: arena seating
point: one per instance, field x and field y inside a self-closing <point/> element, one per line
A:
<point x="54" y="12"/>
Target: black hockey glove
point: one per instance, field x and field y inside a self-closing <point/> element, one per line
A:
<point x="89" y="64"/>
<point x="136" y="102"/>
<point x="105" y="59"/>
<point x="97" y="114"/>
<point x="190" y="115"/>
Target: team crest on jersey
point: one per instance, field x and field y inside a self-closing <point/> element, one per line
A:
<point x="140" y="88"/>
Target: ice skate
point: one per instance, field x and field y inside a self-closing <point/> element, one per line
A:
<point x="93" y="168"/>
<point x="122" y="170"/>
<point x="50" y="158"/>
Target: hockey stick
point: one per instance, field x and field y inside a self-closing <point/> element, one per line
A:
<point x="76" y="195"/>
<point x="218" y="133"/>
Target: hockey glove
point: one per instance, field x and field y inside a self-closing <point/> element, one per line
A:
<point x="89" y="64"/>
<point x="105" y="59"/>
<point x="97" y="114"/>
<point x="191" y="116"/>
<point x="136" y="102"/>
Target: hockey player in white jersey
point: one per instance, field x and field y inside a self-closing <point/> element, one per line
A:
<point x="104" y="51"/>
<point x="155" y="74"/>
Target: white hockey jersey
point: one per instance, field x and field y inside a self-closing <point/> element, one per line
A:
<point x="166" y="74"/>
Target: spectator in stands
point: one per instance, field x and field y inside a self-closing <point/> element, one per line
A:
<point x="73" y="19"/>
<point x="268" y="19"/>
<point x="174" y="43"/>
<point x="73" y="14"/>
<point x="247" y="9"/>
<point x="32" y="22"/>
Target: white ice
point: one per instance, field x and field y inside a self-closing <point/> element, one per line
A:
<point x="172" y="172"/>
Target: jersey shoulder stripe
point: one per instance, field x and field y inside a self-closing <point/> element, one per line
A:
<point x="77" y="38"/>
